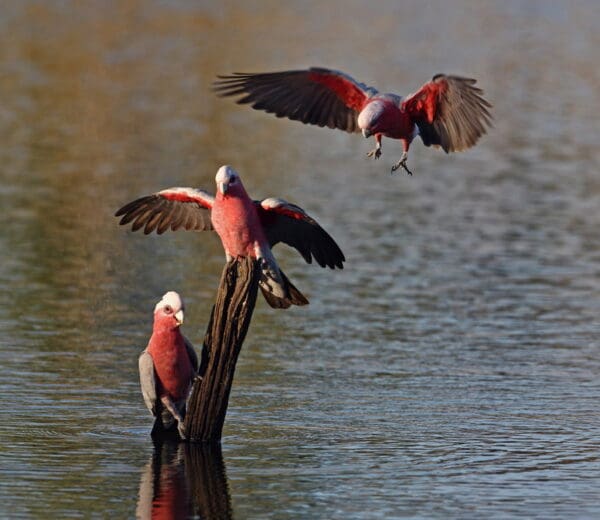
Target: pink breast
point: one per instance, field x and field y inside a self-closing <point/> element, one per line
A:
<point x="238" y="226"/>
<point x="173" y="369"/>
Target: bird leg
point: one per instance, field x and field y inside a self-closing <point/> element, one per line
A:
<point x="401" y="163"/>
<point x="376" y="152"/>
<point x="170" y="405"/>
<point x="268" y="265"/>
<point x="268" y="276"/>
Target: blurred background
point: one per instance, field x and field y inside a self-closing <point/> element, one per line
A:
<point x="451" y="370"/>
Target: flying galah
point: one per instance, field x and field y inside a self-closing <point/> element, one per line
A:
<point x="168" y="366"/>
<point x="448" y="111"/>
<point x="246" y="228"/>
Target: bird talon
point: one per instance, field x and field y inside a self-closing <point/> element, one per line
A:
<point x="375" y="153"/>
<point x="181" y="430"/>
<point x="264" y="264"/>
<point x="401" y="163"/>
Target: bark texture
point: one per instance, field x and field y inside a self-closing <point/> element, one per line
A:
<point x="226" y="331"/>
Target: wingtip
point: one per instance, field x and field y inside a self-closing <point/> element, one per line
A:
<point x="124" y="220"/>
<point x="122" y="210"/>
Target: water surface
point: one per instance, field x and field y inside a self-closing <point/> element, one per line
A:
<point x="449" y="371"/>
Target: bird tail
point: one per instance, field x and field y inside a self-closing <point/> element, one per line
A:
<point x="165" y="425"/>
<point x="279" y="292"/>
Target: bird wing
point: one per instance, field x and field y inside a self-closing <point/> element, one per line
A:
<point x="290" y="224"/>
<point x="191" y="352"/>
<point x="450" y="111"/>
<point x="148" y="380"/>
<point x="174" y="208"/>
<point x="315" y="96"/>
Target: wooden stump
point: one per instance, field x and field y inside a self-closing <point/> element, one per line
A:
<point x="229" y="322"/>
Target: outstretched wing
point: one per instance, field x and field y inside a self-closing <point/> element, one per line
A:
<point x="172" y="208"/>
<point x="288" y="223"/>
<point x="148" y="381"/>
<point x="450" y="111"/>
<point x="315" y="96"/>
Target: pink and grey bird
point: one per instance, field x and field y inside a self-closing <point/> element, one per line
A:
<point x="168" y="366"/>
<point x="448" y="111"/>
<point x="246" y="227"/>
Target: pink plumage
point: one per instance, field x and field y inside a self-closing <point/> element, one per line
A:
<point x="235" y="217"/>
<point x="448" y="111"/>
<point x="167" y="366"/>
<point x="246" y="227"/>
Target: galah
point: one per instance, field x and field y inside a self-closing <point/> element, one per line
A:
<point x="246" y="227"/>
<point x="448" y="111"/>
<point x="168" y="366"/>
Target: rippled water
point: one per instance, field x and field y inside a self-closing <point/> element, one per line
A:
<point x="450" y="371"/>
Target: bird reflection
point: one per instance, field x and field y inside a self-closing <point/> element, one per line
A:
<point x="184" y="480"/>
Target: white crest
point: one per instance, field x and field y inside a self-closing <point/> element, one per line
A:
<point x="172" y="299"/>
<point x="225" y="174"/>
<point x="371" y="113"/>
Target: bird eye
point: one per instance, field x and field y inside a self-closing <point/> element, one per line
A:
<point x="168" y="309"/>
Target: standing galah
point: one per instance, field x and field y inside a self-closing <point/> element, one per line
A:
<point x="448" y="111"/>
<point x="168" y="366"/>
<point x="246" y="227"/>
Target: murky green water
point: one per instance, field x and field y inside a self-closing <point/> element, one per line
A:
<point x="450" y="371"/>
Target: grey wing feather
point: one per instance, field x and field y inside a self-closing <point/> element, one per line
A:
<point x="148" y="381"/>
<point x="463" y="115"/>
<point x="315" y="96"/>
<point x="290" y="224"/>
<point x="173" y="208"/>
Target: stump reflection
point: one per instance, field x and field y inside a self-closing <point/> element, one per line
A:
<point x="184" y="480"/>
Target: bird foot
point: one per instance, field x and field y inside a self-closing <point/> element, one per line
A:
<point x="401" y="163"/>
<point x="268" y="277"/>
<point x="181" y="430"/>
<point x="263" y="262"/>
<point x="375" y="153"/>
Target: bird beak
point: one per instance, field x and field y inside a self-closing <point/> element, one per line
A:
<point x="366" y="132"/>
<point x="179" y="316"/>
<point x="223" y="186"/>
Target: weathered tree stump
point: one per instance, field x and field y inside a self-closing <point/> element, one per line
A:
<point x="226" y="331"/>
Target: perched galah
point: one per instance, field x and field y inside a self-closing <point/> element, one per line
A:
<point x="168" y="366"/>
<point x="448" y="111"/>
<point x="246" y="227"/>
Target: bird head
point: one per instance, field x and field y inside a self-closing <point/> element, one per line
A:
<point x="228" y="182"/>
<point x="369" y="118"/>
<point x="168" y="312"/>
